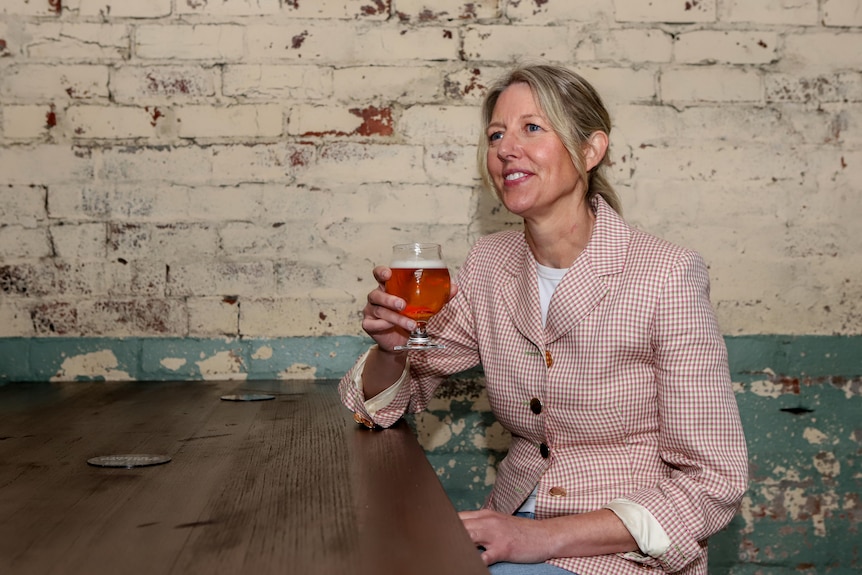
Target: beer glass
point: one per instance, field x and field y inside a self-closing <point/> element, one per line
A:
<point x="420" y="277"/>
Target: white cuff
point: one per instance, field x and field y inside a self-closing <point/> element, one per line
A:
<point x="650" y="536"/>
<point x="385" y="397"/>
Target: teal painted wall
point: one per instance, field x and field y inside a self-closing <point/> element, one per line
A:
<point x="800" y="399"/>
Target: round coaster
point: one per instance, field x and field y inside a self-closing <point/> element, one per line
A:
<point x="248" y="397"/>
<point x="128" y="461"/>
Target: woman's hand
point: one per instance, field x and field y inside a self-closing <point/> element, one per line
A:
<point x="381" y="318"/>
<point x="519" y="540"/>
<point x="506" y="537"/>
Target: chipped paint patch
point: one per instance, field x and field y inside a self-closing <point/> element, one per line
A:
<point x="95" y="365"/>
<point x="766" y="388"/>
<point x="827" y="464"/>
<point x="263" y="352"/>
<point x="495" y="437"/>
<point x="298" y="371"/>
<point x="173" y="363"/>
<point x="431" y="431"/>
<point x="440" y="404"/>
<point x="222" y="365"/>
<point x="814" y="436"/>
<point x="490" y="472"/>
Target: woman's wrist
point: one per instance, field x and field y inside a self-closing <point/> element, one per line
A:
<point x="382" y="369"/>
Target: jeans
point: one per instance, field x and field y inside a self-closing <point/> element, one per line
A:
<point x="505" y="568"/>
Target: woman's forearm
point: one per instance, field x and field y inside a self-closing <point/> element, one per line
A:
<point x="598" y="532"/>
<point x="382" y="369"/>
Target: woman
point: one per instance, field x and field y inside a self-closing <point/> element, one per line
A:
<point x="600" y="349"/>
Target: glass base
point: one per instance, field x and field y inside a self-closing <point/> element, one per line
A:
<point x="419" y="340"/>
<point x="418" y="346"/>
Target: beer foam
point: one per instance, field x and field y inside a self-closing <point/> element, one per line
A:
<point x="416" y="264"/>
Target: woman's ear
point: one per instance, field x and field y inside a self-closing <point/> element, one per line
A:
<point x="594" y="149"/>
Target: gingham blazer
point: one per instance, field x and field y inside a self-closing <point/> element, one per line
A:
<point x="625" y="393"/>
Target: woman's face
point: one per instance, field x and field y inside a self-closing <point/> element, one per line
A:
<point x="528" y="163"/>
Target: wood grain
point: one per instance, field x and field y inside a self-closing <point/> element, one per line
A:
<point x="285" y="486"/>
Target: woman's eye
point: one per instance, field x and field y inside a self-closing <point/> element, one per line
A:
<point x="495" y="136"/>
<point x="533" y="127"/>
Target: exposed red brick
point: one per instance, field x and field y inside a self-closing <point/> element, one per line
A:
<point x="379" y="7"/>
<point x="429" y="16"/>
<point x="155" y="115"/>
<point x="297" y="41"/>
<point x="455" y="90"/>
<point x="51" y="117"/>
<point x="298" y="158"/>
<point x="375" y="121"/>
<point x="168" y="86"/>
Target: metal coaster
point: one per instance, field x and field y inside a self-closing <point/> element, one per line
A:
<point x="128" y="461"/>
<point x="248" y="397"/>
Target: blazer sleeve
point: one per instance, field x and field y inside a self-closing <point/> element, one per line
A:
<point x="454" y="328"/>
<point x="700" y="436"/>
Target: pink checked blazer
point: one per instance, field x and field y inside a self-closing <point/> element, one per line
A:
<point x="625" y="393"/>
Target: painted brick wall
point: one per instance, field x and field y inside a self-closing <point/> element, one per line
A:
<point x="191" y="168"/>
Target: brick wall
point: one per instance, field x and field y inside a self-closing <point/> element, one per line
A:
<point x="200" y="168"/>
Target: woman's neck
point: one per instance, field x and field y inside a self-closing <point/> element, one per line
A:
<point x="558" y="240"/>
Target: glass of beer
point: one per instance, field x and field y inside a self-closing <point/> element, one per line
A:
<point x="421" y="278"/>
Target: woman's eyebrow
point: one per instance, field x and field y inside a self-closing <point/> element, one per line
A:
<point x="498" y="123"/>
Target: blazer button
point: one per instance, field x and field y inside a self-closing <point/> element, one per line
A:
<point x="536" y="406"/>
<point x="549" y="361"/>
<point x="557" y="492"/>
<point x="544" y="450"/>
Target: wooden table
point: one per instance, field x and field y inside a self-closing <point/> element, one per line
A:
<point x="289" y="486"/>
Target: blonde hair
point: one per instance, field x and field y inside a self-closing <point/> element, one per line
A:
<point x="575" y="111"/>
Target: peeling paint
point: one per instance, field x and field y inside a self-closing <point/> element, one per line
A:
<point x="495" y="437"/>
<point x="96" y="365"/>
<point x="765" y="388"/>
<point x="222" y="365"/>
<point x="432" y="432"/>
<point x="264" y="352"/>
<point x="827" y="464"/>
<point x="814" y="436"/>
<point x="173" y="363"/>
<point x="298" y="371"/>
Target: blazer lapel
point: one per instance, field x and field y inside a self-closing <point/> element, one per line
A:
<point x="584" y="286"/>
<point x="578" y="294"/>
<point x="520" y="294"/>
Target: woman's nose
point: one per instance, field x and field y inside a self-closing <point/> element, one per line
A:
<point x="508" y="146"/>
